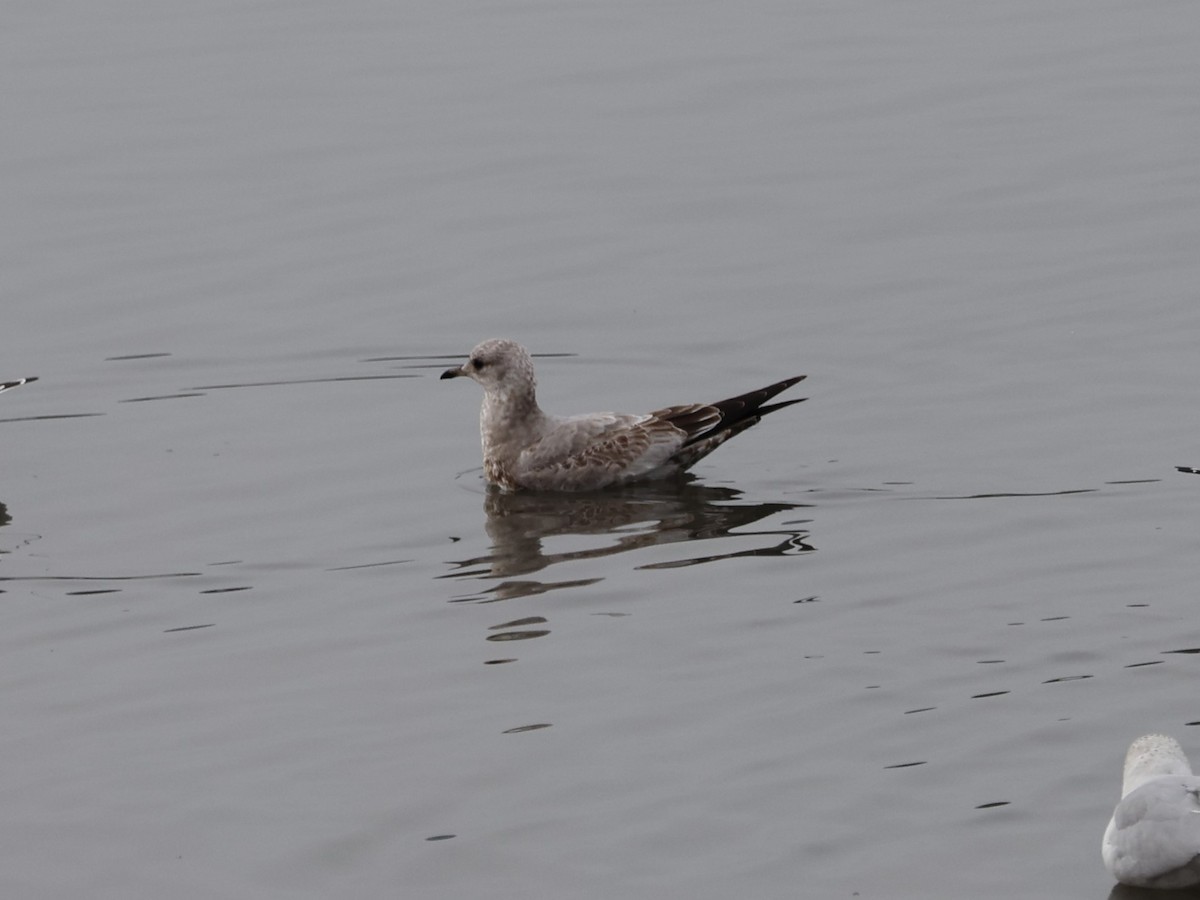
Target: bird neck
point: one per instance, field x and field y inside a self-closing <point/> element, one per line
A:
<point x="513" y="414"/>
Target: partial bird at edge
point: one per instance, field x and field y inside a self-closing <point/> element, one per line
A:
<point x="1153" y="837"/>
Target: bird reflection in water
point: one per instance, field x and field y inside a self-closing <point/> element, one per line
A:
<point x="633" y="518"/>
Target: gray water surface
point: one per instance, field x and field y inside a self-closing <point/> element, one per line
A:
<point x="267" y="634"/>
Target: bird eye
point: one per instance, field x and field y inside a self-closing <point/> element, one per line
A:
<point x="476" y="363"/>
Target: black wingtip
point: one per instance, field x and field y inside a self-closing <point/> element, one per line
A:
<point x="771" y="407"/>
<point x="753" y="404"/>
<point x="5" y="385"/>
<point x="771" y="390"/>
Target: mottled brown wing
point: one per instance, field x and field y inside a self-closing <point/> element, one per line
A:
<point x="621" y="453"/>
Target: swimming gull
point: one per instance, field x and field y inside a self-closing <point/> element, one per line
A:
<point x="5" y="385"/>
<point x="1153" y="838"/>
<point x="524" y="447"/>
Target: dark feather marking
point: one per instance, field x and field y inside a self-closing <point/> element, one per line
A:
<point x="750" y="404"/>
<point x="708" y="426"/>
<point x="700" y="421"/>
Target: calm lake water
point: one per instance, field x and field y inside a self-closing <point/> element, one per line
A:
<point x="266" y="633"/>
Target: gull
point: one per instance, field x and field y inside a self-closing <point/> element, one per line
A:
<point x="5" y="385"/>
<point x="1153" y="838"/>
<point x="525" y="448"/>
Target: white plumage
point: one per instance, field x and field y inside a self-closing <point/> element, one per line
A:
<point x="1153" y="838"/>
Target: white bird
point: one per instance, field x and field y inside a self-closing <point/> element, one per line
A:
<point x="5" y="385"/>
<point x="1153" y="838"/>
<point x="524" y="447"/>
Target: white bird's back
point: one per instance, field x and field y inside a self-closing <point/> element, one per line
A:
<point x="1153" y="837"/>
